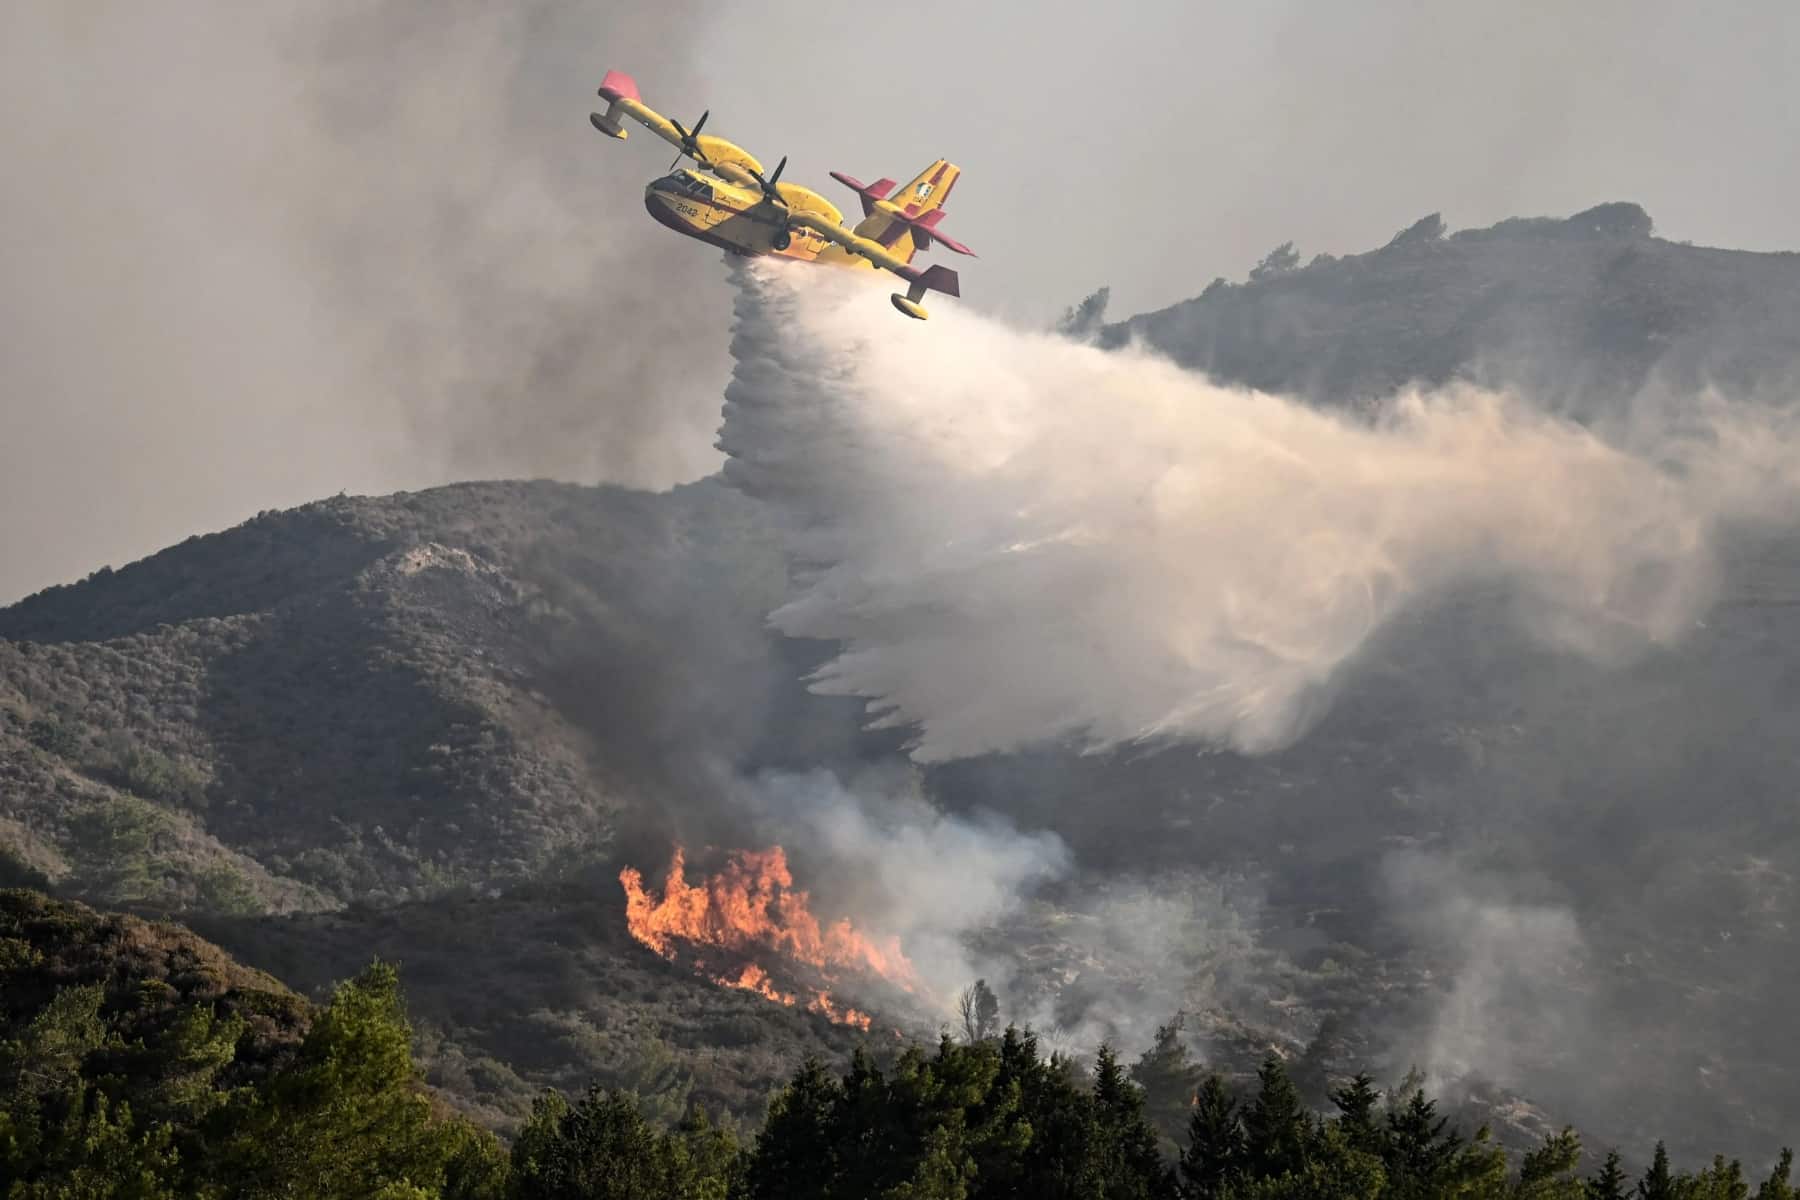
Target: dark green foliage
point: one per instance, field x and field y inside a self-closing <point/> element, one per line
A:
<point x="1084" y="319"/>
<point x="1658" y="1182"/>
<point x="1721" y="1180"/>
<point x="1214" y="1158"/>
<point x="53" y="737"/>
<point x="1133" y="1166"/>
<point x="349" y="1117"/>
<point x="1776" y="1186"/>
<point x="1610" y="1181"/>
<point x="500" y="1021"/>
<point x="149" y="773"/>
<point x="1420" y="1151"/>
<point x="973" y="1120"/>
<point x="1169" y="1080"/>
<point x="1357" y="1117"/>
<point x="1275" y="1123"/>
<point x="795" y="1157"/>
<point x="136" y="1061"/>
<point x="603" y="1149"/>
<point x="1548" y="1172"/>
<point x="1282" y="260"/>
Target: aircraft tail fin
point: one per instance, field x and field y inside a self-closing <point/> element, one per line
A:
<point x="929" y="189"/>
<point x="906" y="220"/>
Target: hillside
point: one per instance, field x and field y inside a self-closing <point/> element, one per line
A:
<point x="433" y="726"/>
<point x="1583" y="313"/>
<point x="380" y="699"/>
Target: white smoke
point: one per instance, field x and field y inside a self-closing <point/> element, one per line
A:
<point x="1081" y="960"/>
<point x="874" y="838"/>
<point x="1015" y="538"/>
<point x="1514" y="999"/>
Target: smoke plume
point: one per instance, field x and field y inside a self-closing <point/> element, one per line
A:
<point x="1017" y="539"/>
<point x="868" y="842"/>
<point x="262" y="253"/>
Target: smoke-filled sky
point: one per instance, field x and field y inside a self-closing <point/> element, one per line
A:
<point x="258" y="254"/>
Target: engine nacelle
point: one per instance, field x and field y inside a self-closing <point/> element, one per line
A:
<point x="719" y="153"/>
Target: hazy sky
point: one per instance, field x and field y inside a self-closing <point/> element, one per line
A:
<point x="259" y="254"/>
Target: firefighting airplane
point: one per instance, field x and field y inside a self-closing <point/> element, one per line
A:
<point x="729" y="203"/>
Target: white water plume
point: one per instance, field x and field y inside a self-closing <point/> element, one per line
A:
<point x="1015" y="538"/>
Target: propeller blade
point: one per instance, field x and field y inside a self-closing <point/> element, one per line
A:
<point x="690" y="140"/>
<point x="767" y="184"/>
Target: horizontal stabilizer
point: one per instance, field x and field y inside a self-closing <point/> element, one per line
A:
<point x="870" y="192"/>
<point x="926" y="233"/>
<point x="936" y="278"/>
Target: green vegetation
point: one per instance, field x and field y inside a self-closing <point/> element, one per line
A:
<point x="136" y="1061"/>
<point x="995" y="1118"/>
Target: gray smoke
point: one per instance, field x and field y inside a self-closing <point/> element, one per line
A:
<point x="261" y="253"/>
<point x="869" y="841"/>
<point x="1079" y="958"/>
<point x="1513" y="1000"/>
<point x="1017" y="539"/>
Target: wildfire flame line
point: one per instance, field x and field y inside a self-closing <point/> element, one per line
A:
<point x="752" y="905"/>
<point x="754" y="979"/>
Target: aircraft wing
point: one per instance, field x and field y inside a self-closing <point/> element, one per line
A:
<point x="620" y="92"/>
<point x="933" y="278"/>
<point x="875" y="252"/>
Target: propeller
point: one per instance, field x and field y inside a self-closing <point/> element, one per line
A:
<point x="773" y="199"/>
<point x="690" y="140"/>
<point x="768" y="185"/>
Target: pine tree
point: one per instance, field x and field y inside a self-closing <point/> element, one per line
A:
<point x="1132" y="1166"/>
<point x="1549" y="1171"/>
<point x="1776" y="1186"/>
<point x="1420" y="1152"/>
<point x="1610" y="1183"/>
<point x="1275" y="1125"/>
<point x="1356" y="1114"/>
<point x="350" y="1117"/>
<point x="600" y="1149"/>
<point x="1721" y="1180"/>
<point x="793" y="1159"/>
<point x="1214" y="1157"/>
<point x="1169" y="1079"/>
<point x="1658" y="1182"/>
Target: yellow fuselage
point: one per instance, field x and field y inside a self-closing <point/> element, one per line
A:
<point x="731" y="217"/>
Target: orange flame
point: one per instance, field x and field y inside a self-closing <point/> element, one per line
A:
<point x="752" y="905"/>
<point x="822" y="1005"/>
<point x="754" y="979"/>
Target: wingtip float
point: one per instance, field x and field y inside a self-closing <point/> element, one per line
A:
<point x="726" y="200"/>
